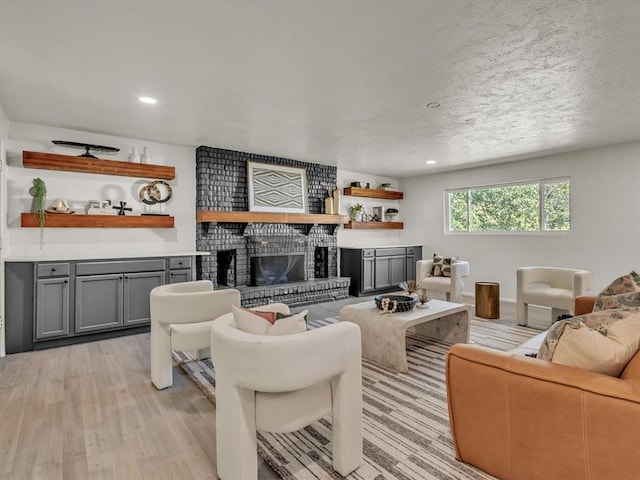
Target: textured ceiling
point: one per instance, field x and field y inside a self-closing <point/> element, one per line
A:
<point x="342" y="83"/>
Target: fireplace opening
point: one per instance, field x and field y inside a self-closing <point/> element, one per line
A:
<point x="321" y="262"/>
<point x="275" y="269"/>
<point x="227" y="268"/>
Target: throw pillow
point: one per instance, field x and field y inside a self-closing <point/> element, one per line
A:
<point x="583" y="347"/>
<point x="624" y="284"/>
<point x="251" y="322"/>
<point x="442" y="265"/>
<point x="622" y="300"/>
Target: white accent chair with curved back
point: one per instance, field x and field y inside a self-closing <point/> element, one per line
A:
<point x="451" y="286"/>
<point x="283" y="383"/>
<point x="181" y="318"/>
<point x="550" y="287"/>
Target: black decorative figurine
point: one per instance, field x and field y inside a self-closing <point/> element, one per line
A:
<point x="121" y="208"/>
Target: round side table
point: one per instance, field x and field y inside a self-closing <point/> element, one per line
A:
<point x="488" y="300"/>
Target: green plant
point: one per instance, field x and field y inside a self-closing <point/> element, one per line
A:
<point x="357" y="208"/>
<point x="39" y="192"/>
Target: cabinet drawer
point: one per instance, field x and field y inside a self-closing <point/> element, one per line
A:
<point x="387" y="252"/>
<point x="413" y="250"/>
<point x="46" y="270"/>
<point x="100" y="268"/>
<point x="179" y="262"/>
<point x="367" y="253"/>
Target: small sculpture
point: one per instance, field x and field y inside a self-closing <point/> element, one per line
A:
<point x="121" y="208"/>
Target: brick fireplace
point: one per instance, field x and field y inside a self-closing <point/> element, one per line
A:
<point x="291" y="263"/>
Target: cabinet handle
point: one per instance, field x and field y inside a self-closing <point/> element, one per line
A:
<point x="66" y="281"/>
<point x="180" y="263"/>
<point x="53" y="270"/>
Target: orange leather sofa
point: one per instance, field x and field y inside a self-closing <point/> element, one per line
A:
<point x="517" y="417"/>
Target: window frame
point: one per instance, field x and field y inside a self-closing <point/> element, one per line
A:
<point x="542" y="211"/>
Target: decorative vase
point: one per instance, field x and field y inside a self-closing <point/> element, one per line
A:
<point x="336" y="200"/>
<point x="146" y="156"/>
<point x="328" y="206"/>
<point x="134" y="156"/>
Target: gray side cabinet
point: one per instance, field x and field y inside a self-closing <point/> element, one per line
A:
<point x="52" y="308"/>
<point x="378" y="270"/>
<point x="99" y="300"/>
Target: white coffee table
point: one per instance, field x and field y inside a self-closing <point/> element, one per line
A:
<point x="384" y="336"/>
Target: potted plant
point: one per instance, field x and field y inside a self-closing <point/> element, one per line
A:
<point x="357" y="212"/>
<point x="39" y="193"/>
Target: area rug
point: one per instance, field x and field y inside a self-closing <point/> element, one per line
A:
<point x="405" y="418"/>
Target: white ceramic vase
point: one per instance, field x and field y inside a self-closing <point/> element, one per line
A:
<point x="146" y="156"/>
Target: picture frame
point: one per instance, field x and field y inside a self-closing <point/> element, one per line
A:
<point x="274" y="188"/>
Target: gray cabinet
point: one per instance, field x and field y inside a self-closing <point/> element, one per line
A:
<point x="137" y="287"/>
<point x="57" y="303"/>
<point x="99" y="300"/>
<point x="377" y="270"/>
<point x="52" y="308"/>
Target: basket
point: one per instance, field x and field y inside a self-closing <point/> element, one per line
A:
<point x="404" y="303"/>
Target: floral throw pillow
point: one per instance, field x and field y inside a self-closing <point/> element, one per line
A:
<point x="442" y="265"/>
<point x="624" y="284"/>
<point x="623" y="300"/>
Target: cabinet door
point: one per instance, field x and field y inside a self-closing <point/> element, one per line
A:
<point x="52" y="308"/>
<point x="397" y="269"/>
<point x="411" y="267"/>
<point x="382" y="273"/>
<point x="137" y="287"/>
<point x="99" y="300"/>
<point x="368" y="269"/>
<point x="177" y="276"/>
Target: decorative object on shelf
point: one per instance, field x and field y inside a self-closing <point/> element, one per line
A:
<point x="150" y="194"/>
<point x="59" y="206"/>
<point x="328" y="206"/>
<point x="121" y="208"/>
<point x="394" y="303"/>
<point x="87" y="147"/>
<point x="360" y="184"/>
<point x="100" y="207"/>
<point x="39" y="193"/>
<point x="357" y="212"/>
<point x="391" y="213"/>
<point x="134" y="156"/>
<point x="336" y="200"/>
<point x="146" y="155"/>
<point x="422" y="298"/>
<point x="377" y="214"/>
<point x="273" y="188"/>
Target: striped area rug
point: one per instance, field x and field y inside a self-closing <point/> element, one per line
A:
<point x="405" y="417"/>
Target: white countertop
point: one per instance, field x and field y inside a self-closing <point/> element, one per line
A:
<point x="377" y="246"/>
<point x="97" y="256"/>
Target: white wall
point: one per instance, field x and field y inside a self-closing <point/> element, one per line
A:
<point x="368" y="238"/>
<point x="605" y="218"/>
<point x="78" y="188"/>
<point x="4" y="136"/>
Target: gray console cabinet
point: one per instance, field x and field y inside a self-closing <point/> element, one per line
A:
<point x="57" y="303"/>
<point x="378" y="270"/>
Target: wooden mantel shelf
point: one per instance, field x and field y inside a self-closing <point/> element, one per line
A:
<point x="269" y="217"/>
<point x="56" y="220"/>
<point x="373" y="193"/>
<point x="372" y="225"/>
<point x="68" y="163"/>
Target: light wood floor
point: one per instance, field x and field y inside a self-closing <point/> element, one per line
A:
<point x="89" y="411"/>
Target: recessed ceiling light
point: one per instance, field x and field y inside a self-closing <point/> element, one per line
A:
<point x="433" y="105"/>
<point x="431" y="162"/>
<point x="149" y="100"/>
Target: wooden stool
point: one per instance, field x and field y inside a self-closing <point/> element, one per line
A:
<point x="487" y="300"/>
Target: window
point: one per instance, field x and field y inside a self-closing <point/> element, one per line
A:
<point x="520" y="207"/>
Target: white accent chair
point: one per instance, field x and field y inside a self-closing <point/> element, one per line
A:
<point x="282" y="384"/>
<point x="550" y="287"/>
<point x="181" y="318"/>
<point x="451" y="286"/>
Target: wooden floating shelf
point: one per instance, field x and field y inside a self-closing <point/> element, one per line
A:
<point x="269" y="217"/>
<point x="372" y="225"/>
<point x="54" y="161"/>
<point x="57" y="220"/>
<point x="373" y="193"/>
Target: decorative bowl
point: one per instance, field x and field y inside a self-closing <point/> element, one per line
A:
<point x="404" y="303"/>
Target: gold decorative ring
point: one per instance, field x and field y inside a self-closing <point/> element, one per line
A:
<point x="150" y="193"/>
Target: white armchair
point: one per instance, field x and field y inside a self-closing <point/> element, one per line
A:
<point x="451" y="286"/>
<point x="181" y="318"/>
<point x="550" y="287"/>
<point x="281" y="384"/>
